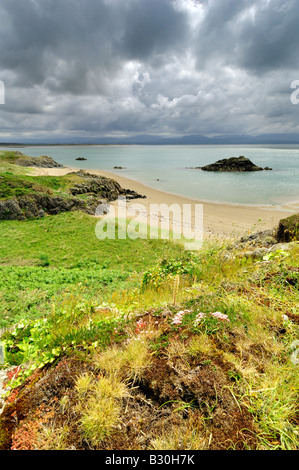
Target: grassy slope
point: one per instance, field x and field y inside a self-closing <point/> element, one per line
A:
<point x="108" y="342"/>
<point x="13" y="182"/>
<point x="44" y="258"/>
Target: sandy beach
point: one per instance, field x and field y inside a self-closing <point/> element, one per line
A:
<point x="223" y="220"/>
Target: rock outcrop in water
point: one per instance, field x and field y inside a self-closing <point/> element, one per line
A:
<point x="233" y="164"/>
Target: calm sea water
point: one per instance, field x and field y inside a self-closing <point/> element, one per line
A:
<point x="164" y="168"/>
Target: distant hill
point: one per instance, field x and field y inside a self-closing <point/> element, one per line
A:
<point x="148" y="139"/>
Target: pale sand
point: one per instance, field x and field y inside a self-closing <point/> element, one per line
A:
<point x="218" y="219"/>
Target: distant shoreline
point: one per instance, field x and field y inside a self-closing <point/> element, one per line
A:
<point x="220" y="219"/>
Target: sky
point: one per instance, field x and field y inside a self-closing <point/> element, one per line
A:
<point x="111" y="68"/>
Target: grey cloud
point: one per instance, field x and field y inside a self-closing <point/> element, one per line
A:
<point x="272" y="38"/>
<point x="108" y="66"/>
<point x="77" y="46"/>
<point x="62" y="41"/>
<point x="152" y="29"/>
<point x="259" y="36"/>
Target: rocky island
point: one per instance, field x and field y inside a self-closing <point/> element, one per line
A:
<point x="233" y="164"/>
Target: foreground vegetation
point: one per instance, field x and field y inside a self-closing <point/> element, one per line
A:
<point x="194" y="353"/>
<point x="123" y="344"/>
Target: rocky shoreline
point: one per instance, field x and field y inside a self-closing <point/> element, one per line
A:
<point x="84" y="192"/>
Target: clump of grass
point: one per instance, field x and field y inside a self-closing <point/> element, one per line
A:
<point x="127" y="363"/>
<point x="188" y="434"/>
<point x="51" y="437"/>
<point x="99" y="406"/>
<point x="84" y="385"/>
<point x="201" y="345"/>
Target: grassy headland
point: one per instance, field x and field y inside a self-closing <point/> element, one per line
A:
<point x="138" y="344"/>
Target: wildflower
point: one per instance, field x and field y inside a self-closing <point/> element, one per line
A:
<point x="177" y="320"/>
<point x="220" y="316"/>
<point x="140" y="325"/>
<point x="199" y="317"/>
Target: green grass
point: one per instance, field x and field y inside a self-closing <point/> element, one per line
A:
<point x="42" y="260"/>
<point x="69" y="241"/>
<point x="15" y="185"/>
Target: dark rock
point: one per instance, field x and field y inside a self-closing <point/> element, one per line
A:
<point x="119" y="167"/>
<point x="99" y="190"/>
<point x="10" y="210"/>
<point x="37" y="205"/>
<point x="233" y="164"/>
<point x="288" y="229"/>
<point x="264" y="238"/>
<point x="41" y="162"/>
<point x="130" y="194"/>
<point x="81" y="158"/>
<point x="107" y="188"/>
<point x="41" y="214"/>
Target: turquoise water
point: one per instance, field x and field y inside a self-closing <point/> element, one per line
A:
<point x="164" y="168"/>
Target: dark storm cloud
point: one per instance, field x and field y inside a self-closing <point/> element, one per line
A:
<point x="272" y="38"/>
<point x="77" y="45"/>
<point x="62" y="42"/>
<point x="153" y="28"/>
<point x="149" y="66"/>
<point x="258" y="36"/>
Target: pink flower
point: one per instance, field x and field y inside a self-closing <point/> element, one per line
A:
<point x="140" y="325"/>
<point x="177" y="320"/>
<point x="220" y="316"/>
<point x="199" y="317"/>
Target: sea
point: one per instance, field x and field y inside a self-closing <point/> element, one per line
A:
<point x="167" y="168"/>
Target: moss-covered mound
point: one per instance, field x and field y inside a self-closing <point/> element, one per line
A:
<point x="288" y="229"/>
